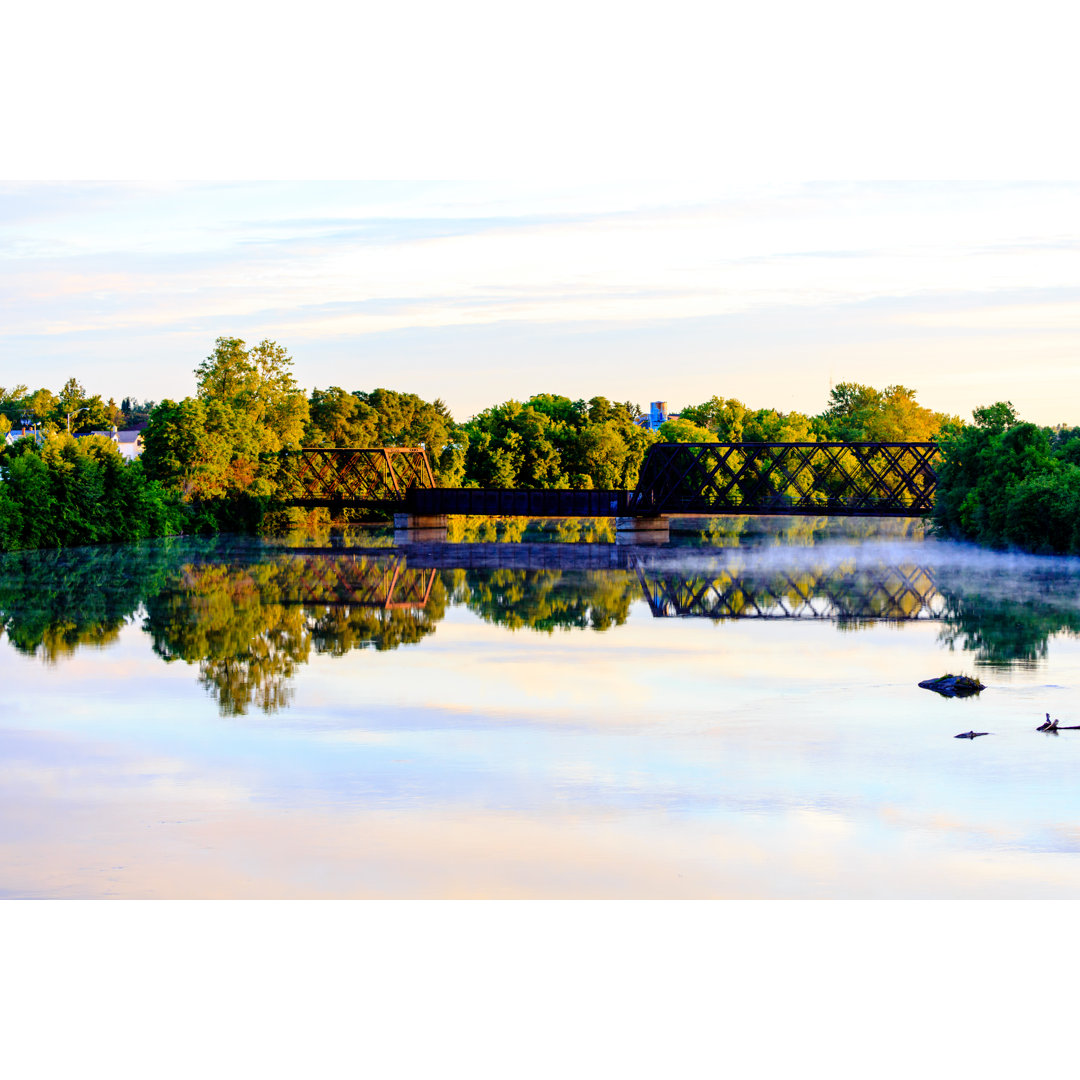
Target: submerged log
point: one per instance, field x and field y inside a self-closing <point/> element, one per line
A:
<point x="953" y="685"/>
<point x="972" y="734"/>
<point x="1055" y="726"/>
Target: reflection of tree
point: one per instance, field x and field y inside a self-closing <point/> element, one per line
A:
<point x="1008" y="630"/>
<point x="54" y="602"/>
<point x="336" y="631"/>
<point x="225" y="618"/>
<point x="794" y="531"/>
<point x="250" y="624"/>
<point x="547" y="599"/>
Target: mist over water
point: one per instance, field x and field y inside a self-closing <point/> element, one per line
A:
<point x="735" y="712"/>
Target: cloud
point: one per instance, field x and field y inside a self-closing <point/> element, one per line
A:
<point x="422" y="277"/>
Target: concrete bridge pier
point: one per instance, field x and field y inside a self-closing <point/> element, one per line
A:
<point x="642" y="530"/>
<point x="429" y="528"/>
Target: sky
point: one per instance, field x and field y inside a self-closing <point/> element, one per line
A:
<point x="479" y="292"/>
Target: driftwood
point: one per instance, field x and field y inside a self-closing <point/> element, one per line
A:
<point x="972" y="734"/>
<point x="1055" y="726"/>
<point x="953" y="685"/>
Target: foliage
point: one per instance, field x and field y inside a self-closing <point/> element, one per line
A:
<point x="858" y="413"/>
<point x="65" y="491"/>
<point x="257" y="387"/>
<point x="1005" y="482"/>
<point x="69" y="409"/>
<point x="685" y="431"/>
<point x="218" y="450"/>
<point x="724" y="418"/>
<point x="553" y="442"/>
<point x="210" y="461"/>
<point x="389" y="418"/>
<point x="548" y="600"/>
<point x="731" y="421"/>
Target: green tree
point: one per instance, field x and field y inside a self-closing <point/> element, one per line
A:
<point x="41" y="407"/>
<point x="258" y="384"/>
<point x="514" y="446"/>
<point x="553" y="442"/>
<point x="333" y="420"/>
<point x="723" y="417"/>
<point x="682" y="430"/>
<point x="63" y="491"/>
<point x="858" y="413"/>
<point x="769" y="425"/>
<point x="12" y="405"/>
<point x="190" y="447"/>
<point x="1001" y="481"/>
<point x="384" y="417"/>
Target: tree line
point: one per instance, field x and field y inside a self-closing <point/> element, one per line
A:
<point x="210" y="461"/>
<point x="70" y="409"/>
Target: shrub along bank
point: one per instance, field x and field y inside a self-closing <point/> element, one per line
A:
<point x="1003" y="483"/>
<point x="63" y="490"/>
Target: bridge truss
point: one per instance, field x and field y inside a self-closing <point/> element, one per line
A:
<point x="879" y="479"/>
<point x="853" y="479"/>
<point x="379" y="477"/>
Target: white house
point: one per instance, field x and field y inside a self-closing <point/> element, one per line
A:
<point x="129" y="443"/>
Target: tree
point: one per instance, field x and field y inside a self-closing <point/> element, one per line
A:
<point x="1003" y="481"/>
<point x="768" y="425"/>
<point x="722" y="417"/>
<point x="41" y="405"/>
<point x="332" y="419"/>
<point x="258" y="384"/>
<point x="553" y="442"/>
<point x="388" y="418"/>
<point x="226" y="374"/>
<point x="195" y="448"/>
<point x="996" y="418"/>
<point x="858" y="413"/>
<point x="685" y="431"/>
<point x="72" y="396"/>
<point x="12" y="405"/>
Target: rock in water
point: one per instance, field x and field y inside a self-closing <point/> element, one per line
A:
<point x="953" y="685"/>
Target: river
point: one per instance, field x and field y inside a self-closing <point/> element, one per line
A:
<point x="735" y="713"/>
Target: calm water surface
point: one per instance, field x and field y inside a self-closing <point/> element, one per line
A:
<point x="732" y="715"/>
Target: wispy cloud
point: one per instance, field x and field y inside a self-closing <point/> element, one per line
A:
<point x="327" y="268"/>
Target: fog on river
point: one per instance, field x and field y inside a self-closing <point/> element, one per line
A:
<point x="733" y="713"/>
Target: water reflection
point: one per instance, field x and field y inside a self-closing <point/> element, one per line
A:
<point x="845" y="593"/>
<point x="250" y="615"/>
<point x="249" y="624"/>
<point x="1007" y="613"/>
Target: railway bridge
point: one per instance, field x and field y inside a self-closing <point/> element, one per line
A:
<point x="868" y="479"/>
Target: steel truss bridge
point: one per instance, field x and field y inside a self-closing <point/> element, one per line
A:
<point x="846" y="479"/>
<point x="854" y="479"/>
<point x="367" y="477"/>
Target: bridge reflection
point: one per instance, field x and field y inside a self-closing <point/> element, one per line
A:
<point x="879" y="591"/>
<point x="891" y="593"/>
<point x="356" y="581"/>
